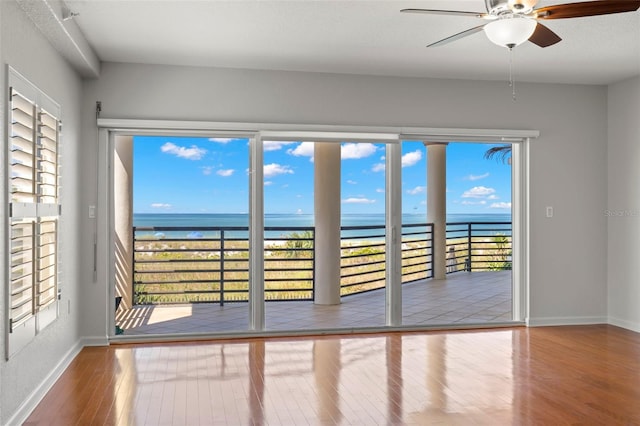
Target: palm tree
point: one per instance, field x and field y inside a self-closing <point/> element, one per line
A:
<point x="500" y="153"/>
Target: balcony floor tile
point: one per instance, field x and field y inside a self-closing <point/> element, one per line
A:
<point x="463" y="298"/>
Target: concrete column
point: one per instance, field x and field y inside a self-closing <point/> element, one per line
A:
<point x="437" y="205"/>
<point x="123" y="218"/>
<point x="327" y="223"/>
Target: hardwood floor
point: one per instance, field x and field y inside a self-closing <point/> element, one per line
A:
<point x="530" y="376"/>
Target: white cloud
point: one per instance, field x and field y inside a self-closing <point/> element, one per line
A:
<point x="478" y="192"/>
<point x="275" y="169"/>
<point x="351" y="182"/>
<point x="352" y="151"/>
<point x="417" y="190"/>
<point x="274" y="145"/>
<point x="477" y="177"/>
<point x="411" y="158"/>
<point x="207" y="170"/>
<point x="501" y="205"/>
<point x="161" y="206"/>
<point x="378" y="167"/>
<point x="225" y="173"/>
<point x="299" y="211"/>
<point x="221" y="140"/>
<point x="380" y="190"/>
<point x="473" y="203"/>
<point x="267" y="183"/>
<point x="305" y="149"/>
<point x="193" y="153"/>
<point x="358" y="200"/>
<point x="492" y="197"/>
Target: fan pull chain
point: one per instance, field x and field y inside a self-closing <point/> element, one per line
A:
<point x="512" y="82"/>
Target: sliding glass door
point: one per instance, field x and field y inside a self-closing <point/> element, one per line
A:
<point x="292" y="231"/>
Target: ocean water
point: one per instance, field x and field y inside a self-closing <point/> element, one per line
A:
<point x="195" y="221"/>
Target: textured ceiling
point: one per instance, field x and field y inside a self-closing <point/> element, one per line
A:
<point x="357" y="37"/>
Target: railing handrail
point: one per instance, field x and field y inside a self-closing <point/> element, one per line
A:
<point x="302" y="228"/>
<point x="220" y="228"/>
<point x="473" y="222"/>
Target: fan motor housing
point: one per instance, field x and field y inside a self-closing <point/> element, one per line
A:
<point x="502" y="7"/>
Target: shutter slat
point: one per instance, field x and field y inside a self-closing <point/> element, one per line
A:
<point x="22" y="131"/>
<point x="48" y="133"/>
<point x="21" y="314"/>
<point x="21" y="144"/>
<point x="21" y="157"/>
<point x="47" y="155"/>
<point x="22" y="118"/>
<point x="21" y="197"/>
<point x="48" y="179"/>
<point x="46" y="273"/>
<point x="21" y="189"/>
<point x="21" y="103"/>
<point x="21" y="271"/>
<point x="21" y="257"/>
<point x="48" y="120"/>
<point x="46" y="167"/>
<point x="48" y="144"/>
<point x="19" y="170"/>
<point x="20" y="286"/>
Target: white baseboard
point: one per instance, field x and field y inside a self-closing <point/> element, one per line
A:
<point x="95" y="341"/>
<point x="30" y="403"/>
<point x="550" y="321"/>
<point x="629" y="325"/>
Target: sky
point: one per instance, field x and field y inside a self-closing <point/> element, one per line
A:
<point x="210" y="175"/>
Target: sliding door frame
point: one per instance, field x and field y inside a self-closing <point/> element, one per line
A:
<point x="258" y="132"/>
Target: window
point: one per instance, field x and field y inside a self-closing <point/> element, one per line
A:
<point x="34" y="186"/>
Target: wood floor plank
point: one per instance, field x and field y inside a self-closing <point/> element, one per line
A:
<point x="520" y="376"/>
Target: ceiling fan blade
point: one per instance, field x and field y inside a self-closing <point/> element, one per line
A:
<point x="446" y="12"/>
<point x="458" y="36"/>
<point x="589" y="8"/>
<point x="543" y="36"/>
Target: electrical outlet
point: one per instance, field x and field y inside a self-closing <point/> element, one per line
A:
<point x="549" y="211"/>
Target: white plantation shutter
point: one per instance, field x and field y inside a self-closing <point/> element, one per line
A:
<point x="34" y="187"/>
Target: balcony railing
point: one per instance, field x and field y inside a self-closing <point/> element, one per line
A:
<point x="478" y="246"/>
<point x="211" y="264"/>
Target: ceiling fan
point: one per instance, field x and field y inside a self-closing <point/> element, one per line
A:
<point x="512" y="22"/>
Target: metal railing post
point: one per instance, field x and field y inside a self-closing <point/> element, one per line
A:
<point x="313" y="267"/>
<point x="222" y="267"/>
<point x="468" y="263"/>
<point x="133" y="268"/>
<point x="431" y="248"/>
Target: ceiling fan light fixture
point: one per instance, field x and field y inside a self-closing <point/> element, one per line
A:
<point x="510" y="32"/>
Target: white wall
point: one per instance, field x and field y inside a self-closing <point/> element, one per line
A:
<point x="568" y="161"/>
<point x="23" y="47"/>
<point x="623" y="205"/>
